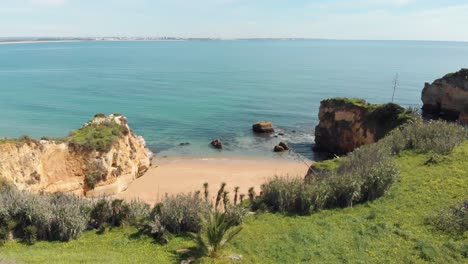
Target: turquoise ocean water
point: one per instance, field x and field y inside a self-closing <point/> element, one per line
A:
<point x="194" y="91"/>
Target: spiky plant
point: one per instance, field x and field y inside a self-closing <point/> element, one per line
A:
<point x="217" y="231"/>
<point x="251" y="194"/>
<point x="205" y="189"/>
<point x="241" y="198"/>
<point x="236" y="193"/>
<point x="219" y="195"/>
<point x="225" y="199"/>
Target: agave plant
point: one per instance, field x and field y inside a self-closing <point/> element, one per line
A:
<point x="217" y="231"/>
<point x="219" y="196"/>
<point x="236" y="194"/>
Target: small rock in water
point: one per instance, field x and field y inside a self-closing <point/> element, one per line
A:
<point x="281" y="134"/>
<point x="283" y="145"/>
<point x="278" y="148"/>
<point x="263" y="127"/>
<point x="184" y="144"/>
<point x="217" y="144"/>
<point x="294" y="131"/>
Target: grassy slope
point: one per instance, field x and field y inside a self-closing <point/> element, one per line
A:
<point x="389" y="230"/>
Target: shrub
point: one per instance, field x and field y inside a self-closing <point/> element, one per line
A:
<point x="92" y="179"/>
<point x="436" y="136"/>
<point x="181" y="213"/>
<point x="287" y="195"/>
<point x="100" y="213"/>
<point x="98" y="137"/>
<point x="139" y="213"/>
<point x="69" y="217"/>
<point x="29" y="235"/>
<point x="236" y="213"/>
<point x="453" y="220"/>
<point x="364" y="175"/>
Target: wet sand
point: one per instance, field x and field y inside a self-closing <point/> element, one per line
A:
<point x="171" y="176"/>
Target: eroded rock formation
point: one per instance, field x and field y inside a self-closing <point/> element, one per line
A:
<point x="346" y="124"/>
<point x="447" y="97"/>
<point x="263" y="127"/>
<point x="62" y="165"/>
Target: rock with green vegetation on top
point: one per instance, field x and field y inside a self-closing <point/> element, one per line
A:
<point x="447" y="97"/>
<point x="347" y="123"/>
<point x="103" y="146"/>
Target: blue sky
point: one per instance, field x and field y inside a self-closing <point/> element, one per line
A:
<point x="335" y="19"/>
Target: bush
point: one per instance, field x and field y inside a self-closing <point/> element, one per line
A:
<point x="29" y="235"/>
<point x="70" y="217"/>
<point x="101" y="213"/>
<point x="236" y="213"/>
<point x="181" y="213"/>
<point x="139" y="213"/>
<point x="436" y="136"/>
<point x="364" y="175"/>
<point x="92" y="179"/>
<point x="98" y="137"/>
<point x="453" y="220"/>
<point x="287" y="195"/>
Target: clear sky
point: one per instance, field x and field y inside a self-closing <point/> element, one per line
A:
<point x="335" y="19"/>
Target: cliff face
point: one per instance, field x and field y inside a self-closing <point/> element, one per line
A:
<point x="346" y="124"/>
<point x="62" y="165"/>
<point x="448" y="97"/>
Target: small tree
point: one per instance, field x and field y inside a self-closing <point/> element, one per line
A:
<point x="216" y="232"/>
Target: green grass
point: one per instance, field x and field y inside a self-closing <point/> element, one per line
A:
<point x="97" y="137"/>
<point x="350" y="101"/>
<point x="391" y="229"/>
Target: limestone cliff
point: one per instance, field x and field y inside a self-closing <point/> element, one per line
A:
<point x="345" y="124"/>
<point x="104" y="147"/>
<point x="448" y="97"/>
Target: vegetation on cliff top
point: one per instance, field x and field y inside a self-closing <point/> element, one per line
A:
<point x="94" y="136"/>
<point x="381" y="117"/>
<point x="99" y="137"/>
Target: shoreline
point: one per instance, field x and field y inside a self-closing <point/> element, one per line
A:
<point x="175" y="175"/>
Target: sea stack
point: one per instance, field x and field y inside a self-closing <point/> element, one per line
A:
<point x="263" y="127"/>
<point x="347" y="123"/>
<point x="104" y="148"/>
<point x="447" y="97"/>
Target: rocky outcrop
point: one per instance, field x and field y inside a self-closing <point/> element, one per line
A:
<point x="263" y="127"/>
<point x="62" y="165"/>
<point x="281" y="147"/>
<point x="217" y="144"/>
<point x="345" y="124"/>
<point x="447" y="97"/>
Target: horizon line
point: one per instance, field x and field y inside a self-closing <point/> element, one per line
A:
<point x="149" y="38"/>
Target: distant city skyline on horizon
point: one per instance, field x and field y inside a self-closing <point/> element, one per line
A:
<point x="428" y="20"/>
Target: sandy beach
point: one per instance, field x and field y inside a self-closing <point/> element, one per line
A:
<point x="171" y="176"/>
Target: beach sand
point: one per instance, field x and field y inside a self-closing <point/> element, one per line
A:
<point x="171" y="176"/>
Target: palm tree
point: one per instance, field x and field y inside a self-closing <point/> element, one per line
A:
<point x="216" y="232"/>
<point x="236" y="192"/>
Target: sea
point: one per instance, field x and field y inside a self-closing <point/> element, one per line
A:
<point x="175" y="92"/>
